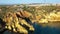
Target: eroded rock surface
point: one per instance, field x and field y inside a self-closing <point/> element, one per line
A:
<point x="17" y="22"/>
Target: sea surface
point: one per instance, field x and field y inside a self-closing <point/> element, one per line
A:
<point x="45" y="30"/>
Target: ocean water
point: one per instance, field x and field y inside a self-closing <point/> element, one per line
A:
<point x="45" y="30"/>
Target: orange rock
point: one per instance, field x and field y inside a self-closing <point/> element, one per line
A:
<point x="38" y="17"/>
<point x="24" y="14"/>
<point x="27" y="14"/>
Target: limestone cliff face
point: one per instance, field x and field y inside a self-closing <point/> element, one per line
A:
<point x="17" y="22"/>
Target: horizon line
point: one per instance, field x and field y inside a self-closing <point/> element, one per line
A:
<point x="29" y="3"/>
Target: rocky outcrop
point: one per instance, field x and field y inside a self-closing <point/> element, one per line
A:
<point x="16" y="22"/>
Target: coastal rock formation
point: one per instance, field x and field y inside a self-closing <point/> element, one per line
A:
<point x="16" y="22"/>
